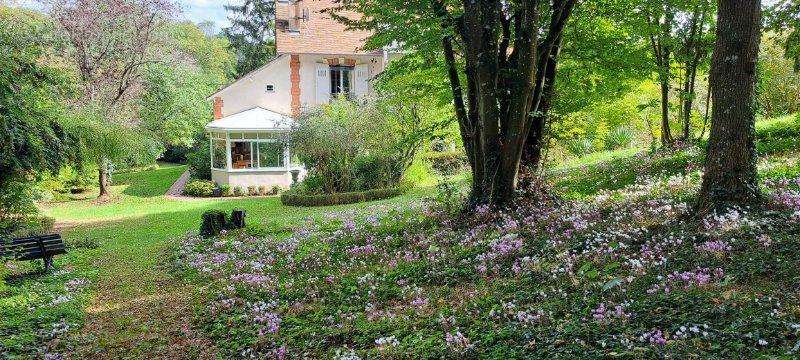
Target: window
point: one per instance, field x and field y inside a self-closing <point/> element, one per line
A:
<point x="340" y="80"/>
<point x="270" y="88"/>
<point x="242" y="154"/>
<point x="218" y="158"/>
<point x="270" y="154"/>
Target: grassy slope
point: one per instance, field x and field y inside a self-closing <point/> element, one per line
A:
<point x="136" y="308"/>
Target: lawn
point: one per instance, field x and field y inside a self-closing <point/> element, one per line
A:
<point x="383" y="283"/>
<point x="133" y="307"/>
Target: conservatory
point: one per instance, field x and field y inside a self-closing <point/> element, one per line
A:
<point x="249" y="149"/>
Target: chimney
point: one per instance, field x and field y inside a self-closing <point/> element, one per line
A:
<point x="217" y="108"/>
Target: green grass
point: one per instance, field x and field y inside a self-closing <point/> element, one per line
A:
<point x="134" y="230"/>
<point x="597" y="157"/>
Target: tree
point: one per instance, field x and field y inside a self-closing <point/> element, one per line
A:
<point x="784" y="17"/>
<point x="33" y="138"/>
<point x="173" y="105"/>
<point x="111" y="43"/>
<point x="676" y="32"/>
<point x="730" y="171"/>
<point x="252" y="33"/>
<point x="504" y="46"/>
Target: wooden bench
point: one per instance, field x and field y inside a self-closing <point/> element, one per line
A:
<point x="33" y="248"/>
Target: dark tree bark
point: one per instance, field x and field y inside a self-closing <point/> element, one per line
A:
<point x="504" y="87"/>
<point x="731" y="175"/>
<point x="532" y="156"/>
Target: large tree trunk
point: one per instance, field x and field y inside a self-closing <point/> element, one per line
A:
<point x="731" y="175"/>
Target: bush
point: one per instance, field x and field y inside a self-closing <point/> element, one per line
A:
<point x="447" y="163"/>
<point x="276" y="190"/>
<point x="214" y="221"/>
<point x="579" y="147"/>
<point x="23" y="226"/>
<point x="262" y="190"/>
<point x="621" y="137"/>
<point x="252" y="190"/>
<point x="199" y="188"/>
<point x="292" y="198"/>
<point x="225" y="190"/>
<point x="376" y="171"/>
<point x="238" y="191"/>
<point x="199" y="159"/>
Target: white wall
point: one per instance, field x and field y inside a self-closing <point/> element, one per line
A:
<point x="250" y="91"/>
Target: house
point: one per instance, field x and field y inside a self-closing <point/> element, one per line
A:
<point x="317" y="59"/>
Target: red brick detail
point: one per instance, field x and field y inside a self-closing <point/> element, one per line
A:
<point x="349" y="62"/>
<point x="319" y="33"/>
<point x="218" y="108"/>
<point x="332" y="61"/>
<point x="294" y="66"/>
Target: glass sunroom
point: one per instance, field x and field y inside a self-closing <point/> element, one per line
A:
<point x="249" y="149"/>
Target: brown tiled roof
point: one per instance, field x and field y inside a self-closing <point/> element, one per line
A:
<point x="318" y="34"/>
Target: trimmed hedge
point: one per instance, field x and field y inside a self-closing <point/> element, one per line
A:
<point x="291" y="198"/>
<point x="448" y="162"/>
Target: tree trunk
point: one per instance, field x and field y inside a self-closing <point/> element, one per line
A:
<point x="102" y="171"/>
<point x="532" y="155"/>
<point x="731" y="175"/>
<point x="666" y="134"/>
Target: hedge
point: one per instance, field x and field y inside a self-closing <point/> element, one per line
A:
<point x="290" y="198"/>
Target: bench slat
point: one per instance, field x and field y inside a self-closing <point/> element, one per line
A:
<point x="33" y="247"/>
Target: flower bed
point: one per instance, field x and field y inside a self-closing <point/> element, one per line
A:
<point x="622" y="275"/>
<point x="290" y="198"/>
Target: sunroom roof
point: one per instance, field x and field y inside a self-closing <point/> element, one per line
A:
<point x="255" y="119"/>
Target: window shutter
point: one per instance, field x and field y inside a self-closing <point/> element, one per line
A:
<point x="361" y="86"/>
<point x="323" y="84"/>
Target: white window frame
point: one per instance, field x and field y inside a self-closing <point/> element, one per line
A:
<point x="263" y="136"/>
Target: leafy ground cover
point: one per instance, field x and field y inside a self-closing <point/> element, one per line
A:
<point x="619" y="273"/>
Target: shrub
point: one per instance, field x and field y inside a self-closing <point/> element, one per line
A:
<point x="579" y="146"/>
<point x="292" y="198"/>
<point x="238" y="191"/>
<point x="350" y="146"/>
<point x="375" y="171"/>
<point x="214" y="221"/>
<point x="199" y="159"/>
<point x="199" y="188"/>
<point x="252" y="190"/>
<point x="276" y="190"/>
<point x="262" y="190"/>
<point x="620" y="137"/>
<point x="225" y="190"/>
<point x="447" y="163"/>
<point x="23" y="226"/>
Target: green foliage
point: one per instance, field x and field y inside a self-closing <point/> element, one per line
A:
<point x="225" y="190"/>
<point x="199" y="188"/>
<point x="293" y="198"/>
<point x="199" y="158"/>
<point x="349" y="146"/>
<point x="778" y="88"/>
<point x="238" y="191"/>
<point x="33" y="137"/>
<point x="620" y="137"/>
<point x="214" y="221"/>
<point x="447" y="162"/>
<point x="173" y="106"/>
<point x="579" y="146"/>
<point x="252" y="33"/>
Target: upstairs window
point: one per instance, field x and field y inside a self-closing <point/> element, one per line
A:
<point x="340" y="80"/>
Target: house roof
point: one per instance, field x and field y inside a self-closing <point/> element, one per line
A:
<point x="255" y="119"/>
<point x="309" y="30"/>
